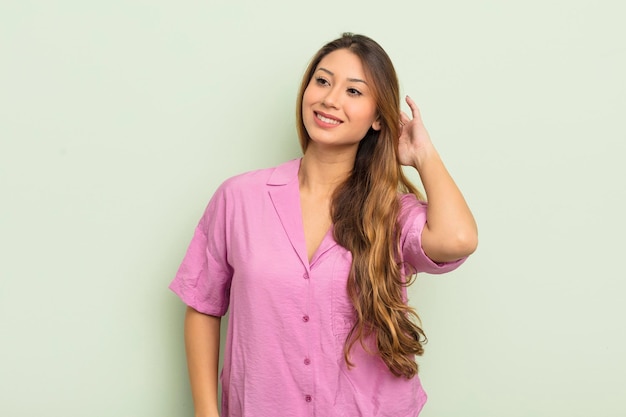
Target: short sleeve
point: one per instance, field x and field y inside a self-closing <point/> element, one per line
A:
<point x="204" y="276"/>
<point x="412" y="219"/>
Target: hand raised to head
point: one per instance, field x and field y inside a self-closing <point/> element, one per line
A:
<point x="414" y="142"/>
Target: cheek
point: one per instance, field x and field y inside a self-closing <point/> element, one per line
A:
<point x="309" y="92"/>
<point x="306" y="105"/>
<point x="309" y="97"/>
<point x="305" y="99"/>
<point x="365" y="114"/>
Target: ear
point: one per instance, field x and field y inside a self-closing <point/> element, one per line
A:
<point x="376" y="124"/>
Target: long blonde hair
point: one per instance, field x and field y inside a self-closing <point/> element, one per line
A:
<point x="365" y="211"/>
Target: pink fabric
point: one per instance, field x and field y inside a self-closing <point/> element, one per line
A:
<point x="288" y="319"/>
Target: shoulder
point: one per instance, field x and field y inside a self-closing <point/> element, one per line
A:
<point x="247" y="190"/>
<point x="409" y="200"/>
<point x="410" y="204"/>
<point x="258" y="180"/>
<point x="246" y="181"/>
<point x="411" y="214"/>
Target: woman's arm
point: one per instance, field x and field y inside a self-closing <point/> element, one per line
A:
<point x="450" y="232"/>
<point x="202" y="344"/>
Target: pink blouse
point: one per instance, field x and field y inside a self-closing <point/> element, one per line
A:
<point x="288" y="318"/>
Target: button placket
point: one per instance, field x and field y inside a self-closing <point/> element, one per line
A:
<point x="309" y="384"/>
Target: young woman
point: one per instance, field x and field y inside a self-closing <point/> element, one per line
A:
<point x="312" y="258"/>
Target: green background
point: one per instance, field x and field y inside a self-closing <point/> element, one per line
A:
<point x="119" y="119"/>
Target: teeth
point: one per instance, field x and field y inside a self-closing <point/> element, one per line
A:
<point x="327" y="120"/>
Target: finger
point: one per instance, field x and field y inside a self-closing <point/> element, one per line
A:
<point x="404" y="118"/>
<point x="415" y="111"/>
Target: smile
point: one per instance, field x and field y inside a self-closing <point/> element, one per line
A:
<point x="327" y="119"/>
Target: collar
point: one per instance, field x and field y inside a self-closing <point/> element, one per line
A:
<point x="285" y="173"/>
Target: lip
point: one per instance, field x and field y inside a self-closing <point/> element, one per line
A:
<point x="324" y="124"/>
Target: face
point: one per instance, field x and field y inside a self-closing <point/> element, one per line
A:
<point x="338" y="106"/>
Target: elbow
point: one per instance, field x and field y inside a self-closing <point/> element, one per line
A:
<point x="459" y="246"/>
<point x="465" y="243"/>
<point x="449" y="247"/>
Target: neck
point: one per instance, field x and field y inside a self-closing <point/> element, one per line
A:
<point x="322" y="173"/>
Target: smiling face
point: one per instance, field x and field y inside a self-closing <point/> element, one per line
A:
<point x="338" y="105"/>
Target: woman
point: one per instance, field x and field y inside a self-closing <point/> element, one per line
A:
<point x="312" y="258"/>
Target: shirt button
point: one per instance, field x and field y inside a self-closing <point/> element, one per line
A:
<point x="305" y="275"/>
<point x="305" y="318"/>
<point x="308" y="398"/>
<point x="307" y="361"/>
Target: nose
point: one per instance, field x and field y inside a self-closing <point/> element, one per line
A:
<point x="331" y="99"/>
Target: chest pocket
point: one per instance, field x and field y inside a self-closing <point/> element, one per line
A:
<point x="342" y="312"/>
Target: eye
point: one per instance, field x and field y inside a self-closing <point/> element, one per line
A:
<point x="354" y="92"/>
<point x="321" y="81"/>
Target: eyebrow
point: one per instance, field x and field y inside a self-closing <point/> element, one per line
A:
<point x="352" y="80"/>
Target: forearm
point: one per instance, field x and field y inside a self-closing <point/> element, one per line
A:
<point x="202" y="343"/>
<point x="450" y="232"/>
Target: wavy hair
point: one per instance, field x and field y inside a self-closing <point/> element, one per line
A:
<point x="364" y="212"/>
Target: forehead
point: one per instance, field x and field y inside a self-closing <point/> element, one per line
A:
<point x="343" y="64"/>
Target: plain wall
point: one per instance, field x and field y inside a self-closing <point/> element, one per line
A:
<point x="119" y="119"/>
